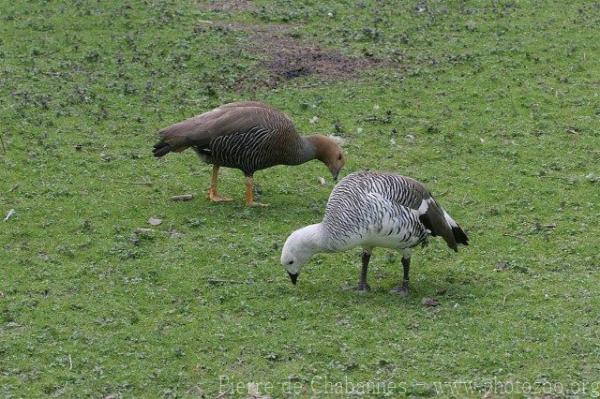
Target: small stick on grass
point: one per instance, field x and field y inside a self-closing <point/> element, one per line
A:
<point x="184" y="197"/>
<point x="514" y="236"/>
<point x="2" y="142"/>
<point x="216" y="281"/>
<point x="550" y="177"/>
<point x="137" y="183"/>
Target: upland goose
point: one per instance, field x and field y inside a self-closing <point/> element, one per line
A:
<point x="249" y="136"/>
<point x="373" y="209"/>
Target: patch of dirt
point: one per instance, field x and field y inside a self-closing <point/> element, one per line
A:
<point x="286" y="56"/>
<point x="227" y="5"/>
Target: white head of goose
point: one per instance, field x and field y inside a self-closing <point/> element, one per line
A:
<point x="372" y="209"/>
<point x="249" y="136"/>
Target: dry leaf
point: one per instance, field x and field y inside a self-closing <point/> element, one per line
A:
<point x="142" y="231"/>
<point x="10" y="214"/>
<point x="184" y="197"/>
<point x="253" y="392"/>
<point x="430" y="302"/>
<point x="176" y="234"/>
<point x="321" y="181"/>
<point x="502" y="266"/>
<point x="154" y="221"/>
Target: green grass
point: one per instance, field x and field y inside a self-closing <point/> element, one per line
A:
<point x="494" y="105"/>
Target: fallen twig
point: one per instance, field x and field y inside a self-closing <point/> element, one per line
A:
<point x="555" y="177"/>
<point x="144" y="231"/>
<point x="136" y="183"/>
<point x="551" y="177"/>
<point x="2" y="142"/>
<point x="184" y="197"/>
<point x="514" y="236"/>
<point x="216" y="281"/>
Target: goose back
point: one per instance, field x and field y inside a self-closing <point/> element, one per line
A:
<point x="246" y="135"/>
<point x="382" y="209"/>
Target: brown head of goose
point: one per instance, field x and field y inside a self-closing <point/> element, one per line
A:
<point x="249" y="136"/>
<point x="372" y="209"/>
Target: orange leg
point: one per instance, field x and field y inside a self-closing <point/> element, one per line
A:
<point x="213" y="195"/>
<point x="250" y="193"/>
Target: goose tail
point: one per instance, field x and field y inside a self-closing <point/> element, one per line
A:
<point x="161" y="148"/>
<point x="440" y="223"/>
<point x="175" y="138"/>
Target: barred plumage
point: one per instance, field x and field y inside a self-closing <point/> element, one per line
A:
<point x="249" y="136"/>
<point x="373" y="209"/>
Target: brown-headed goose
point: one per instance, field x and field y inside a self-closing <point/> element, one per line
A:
<point x="249" y="136"/>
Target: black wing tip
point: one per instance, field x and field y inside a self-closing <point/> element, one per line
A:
<point x="460" y="236"/>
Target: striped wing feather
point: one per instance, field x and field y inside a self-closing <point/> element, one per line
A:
<point x="411" y="193"/>
<point x="227" y="119"/>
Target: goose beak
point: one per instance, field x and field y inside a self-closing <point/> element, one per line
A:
<point x="293" y="277"/>
<point x="335" y="174"/>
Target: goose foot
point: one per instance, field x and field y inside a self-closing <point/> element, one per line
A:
<point x="401" y="290"/>
<point x="363" y="288"/>
<point x="255" y="204"/>
<point x="250" y="194"/>
<point x="215" y="197"/>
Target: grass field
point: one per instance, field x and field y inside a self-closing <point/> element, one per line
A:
<point x="493" y="104"/>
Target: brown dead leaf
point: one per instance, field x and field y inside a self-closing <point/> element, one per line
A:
<point x="144" y="232"/>
<point x="431" y="302"/>
<point x="500" y="266"/>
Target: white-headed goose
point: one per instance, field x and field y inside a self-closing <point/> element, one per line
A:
<point x="372" y="209"/>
